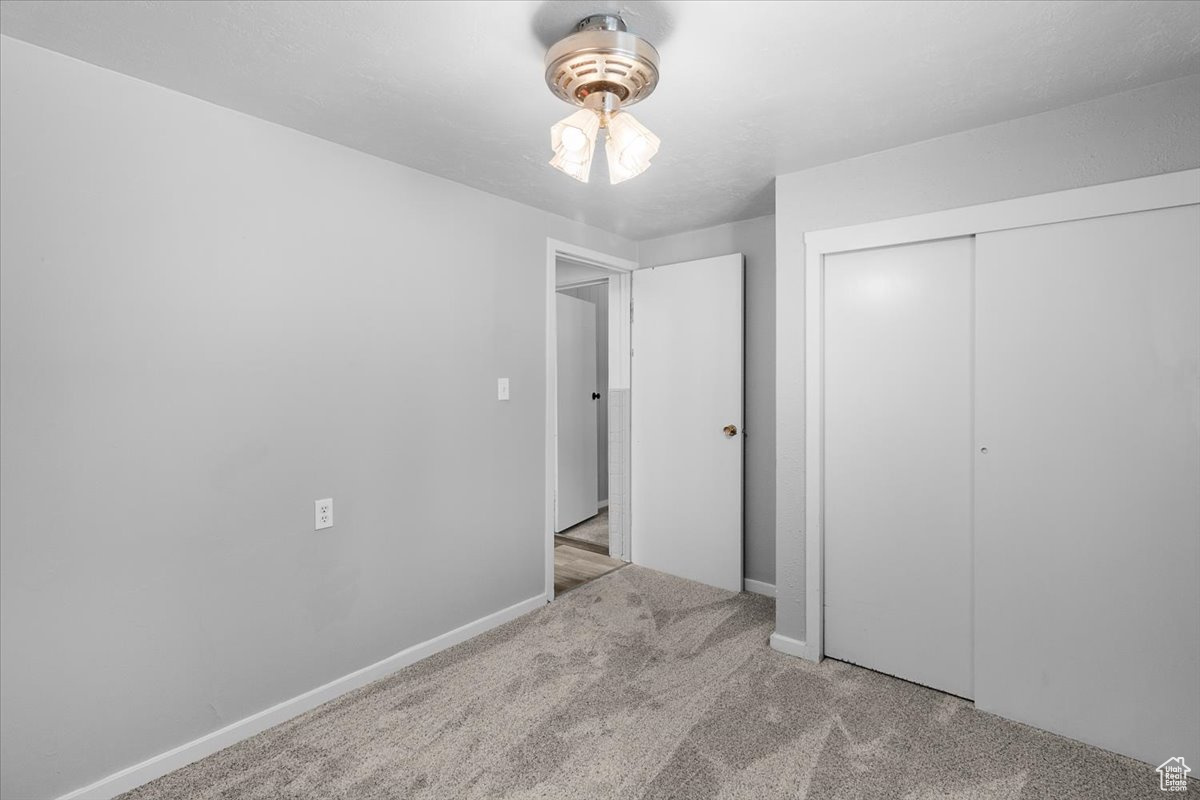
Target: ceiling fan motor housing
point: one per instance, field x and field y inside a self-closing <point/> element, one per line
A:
<point x="602" y="65"/>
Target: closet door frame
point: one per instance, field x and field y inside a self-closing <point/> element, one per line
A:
<point x="1123" y="197"/>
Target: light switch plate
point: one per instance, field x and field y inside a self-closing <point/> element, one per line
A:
<point x="502" y="388"/>
<point x="324" y="513"/>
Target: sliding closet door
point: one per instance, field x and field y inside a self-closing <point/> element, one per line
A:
<point x="1087" y="460"/>
<point x="898" y="461"/>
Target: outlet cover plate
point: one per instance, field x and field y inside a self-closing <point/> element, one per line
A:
<point x="324" y="512"/>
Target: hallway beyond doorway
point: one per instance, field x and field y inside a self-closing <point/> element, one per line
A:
<point x="593" y="531"/>
<point x="576" y="564"/>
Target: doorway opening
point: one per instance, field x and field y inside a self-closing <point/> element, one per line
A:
<point x="581" y="531"/>
<point x="587" y="370"/>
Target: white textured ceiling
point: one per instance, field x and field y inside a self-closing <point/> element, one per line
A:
<point x="749" y="90"/>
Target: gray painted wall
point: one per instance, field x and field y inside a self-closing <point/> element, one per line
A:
<point x="597" y="295"/>
<point x="1144" y="132"/>
<point x="206" y="323"/>
<point x="755" y="238"/>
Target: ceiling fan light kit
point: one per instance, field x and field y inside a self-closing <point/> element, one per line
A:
<point x="574" y="141"/>
<point x="604" y="69"/>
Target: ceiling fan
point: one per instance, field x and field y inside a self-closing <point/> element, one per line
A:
<point x="603" y="68"/>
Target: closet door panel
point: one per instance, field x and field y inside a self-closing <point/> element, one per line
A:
<point x="898" y="461"/>
<point x="1087" y="502"/>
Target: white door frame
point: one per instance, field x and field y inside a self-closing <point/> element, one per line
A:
<point x="1123" y="197"/>
<point x="619" y="286"/>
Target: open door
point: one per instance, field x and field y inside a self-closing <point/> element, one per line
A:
<point x="686" y="466"/>
<point x="577" y="426"/>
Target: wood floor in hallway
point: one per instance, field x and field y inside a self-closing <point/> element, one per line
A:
<point x="575" y="566"/>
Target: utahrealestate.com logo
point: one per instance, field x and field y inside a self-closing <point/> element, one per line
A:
<point x="1172" y="775"/>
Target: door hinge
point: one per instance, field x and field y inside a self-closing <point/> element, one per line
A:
<point x="630" y="312"/>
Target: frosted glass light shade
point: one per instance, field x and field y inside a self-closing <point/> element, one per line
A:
<point x="576" y="169"/>
<point x="574" y="142"/>
<point x="630" y="147"/>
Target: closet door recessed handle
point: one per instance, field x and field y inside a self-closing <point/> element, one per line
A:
<point x="595" y="395"/>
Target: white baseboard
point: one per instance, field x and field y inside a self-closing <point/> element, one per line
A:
<point x="794" y="647"/>
<point x="758" y="587"/>
<point x="602" y="504"/>
<point x="161" y="764"/>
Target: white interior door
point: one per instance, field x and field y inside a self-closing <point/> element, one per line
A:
<point x="898" y="461"/>
<point x="577" y="430"/>
<point x="1088" y="497"/>
<point x="686" y="471"/>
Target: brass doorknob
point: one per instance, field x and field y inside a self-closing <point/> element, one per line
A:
<point x="731" y="431"/>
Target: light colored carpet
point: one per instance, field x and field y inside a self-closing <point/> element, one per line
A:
<point x="594" y="530"/>
<point x="641" y="685"/>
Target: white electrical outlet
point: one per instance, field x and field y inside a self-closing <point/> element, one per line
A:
<point x="502" y="388"/>
<point x="324" y="513"/>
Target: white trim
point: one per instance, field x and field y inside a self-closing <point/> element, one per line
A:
<point x="602" y="504"/>
<point x="814" y="455"/>
<point x="758" y="587"/>
<point x="163" y="763"/>
<point x="580" y="284"/>
<point x="588" y="257"/>
<point x="618" y="368"/>
<point x="1124" y="197"/>
<point x="794" y="647"/>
